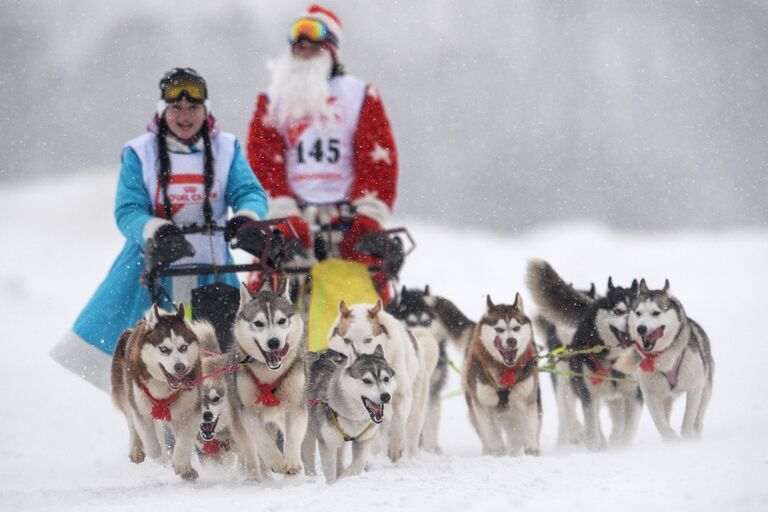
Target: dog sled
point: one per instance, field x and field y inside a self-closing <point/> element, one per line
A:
<point x="317" y="281"/>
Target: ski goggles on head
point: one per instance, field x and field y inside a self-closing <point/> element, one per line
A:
<point x="312" y="29"/>
<point x="176" y="88"/>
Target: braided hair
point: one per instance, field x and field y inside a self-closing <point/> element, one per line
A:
<point x="164" y="173"/>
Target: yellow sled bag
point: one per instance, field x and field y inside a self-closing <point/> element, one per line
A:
<point x="332" y="281"/>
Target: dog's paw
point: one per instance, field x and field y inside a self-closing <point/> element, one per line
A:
<point x="395" y="449"/>
<point x="532" y="451"/>
<point x="137" y="455"/>
<point x="292" y="470"/>
<point x="597" y="444"/>
<point x="187" y="473"/>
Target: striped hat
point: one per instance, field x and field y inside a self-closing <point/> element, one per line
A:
<point x="333" y="24"/>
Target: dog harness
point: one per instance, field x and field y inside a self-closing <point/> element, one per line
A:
<point x="509" y="377"/>
<point x="600" y="373"/>
<point x="267" y="391"/>
<point x="648" y="365"/>
<point x="335" y="419"/>
<point x="160" y="407"/>
<point x="214" y="446"/>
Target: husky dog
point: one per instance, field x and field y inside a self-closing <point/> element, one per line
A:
<point x="559" y="335"/>
<point x="267" y="395"/>
<point x="501" y="381"/>
<point x="412" y="355"/>
<point x="411" y="308"/>
<point x="606" y="375"/>
<point x="214" y="438"/>
<point x="348" y="397"/>
<point x="152" y="369"/>
<point x="676" y="356"/>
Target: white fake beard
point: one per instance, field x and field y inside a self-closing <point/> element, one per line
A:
<point x="299" y="87"/>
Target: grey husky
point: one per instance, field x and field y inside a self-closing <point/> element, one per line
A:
<point x="348" y="398"/>
<point x="606" y="375"/>
<point x="267" y="395"/>
<point x="677" y="359"/>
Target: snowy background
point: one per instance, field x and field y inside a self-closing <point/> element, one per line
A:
<point x="616" y="138"/>
<point x="646" y="114"/>
<point x="64" y="446"/>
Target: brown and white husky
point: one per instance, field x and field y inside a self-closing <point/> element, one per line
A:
<point x="501" y="381"/>
<point x="152" y="369"/>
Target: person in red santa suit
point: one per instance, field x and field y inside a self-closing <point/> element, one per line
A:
<point x="321" y="138"/>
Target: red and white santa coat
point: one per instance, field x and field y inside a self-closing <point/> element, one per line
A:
<point x="348" y="155"/>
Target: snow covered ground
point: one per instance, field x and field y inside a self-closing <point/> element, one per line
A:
<point x="64" y="446"/>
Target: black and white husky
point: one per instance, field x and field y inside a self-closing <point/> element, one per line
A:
<point x="606" y="375"/>
<point x="559" y="335"/>
<point x="676" y="359"/>
<point x="348" y="399"/>
<point x="267" y="395"/>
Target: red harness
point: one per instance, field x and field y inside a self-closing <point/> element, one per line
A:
<point x="509" y="375"/>
<point x="648" y="364"/>
<point x="266" y="396"/>
<point x="160" y="409"/>
<point x="214" y="447"/>
<point x="600" y="373"/>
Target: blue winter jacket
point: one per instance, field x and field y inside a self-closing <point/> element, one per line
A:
<point x="121" y="299"/>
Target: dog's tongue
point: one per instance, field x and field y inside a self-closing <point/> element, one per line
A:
<point x="655" y="335"/>
<point x="623" y="337"/>
<point x="508" y="354"/>
<point x="275" y="358"/>
<point x="173" y="381"/>
<point x="376" y="411"/>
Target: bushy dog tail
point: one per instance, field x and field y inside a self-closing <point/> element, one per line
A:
<point x="556" y="299"/>
<point x="458" y="328"/>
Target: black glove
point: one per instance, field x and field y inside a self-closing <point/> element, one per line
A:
<point x="166" y="246"/>
<point x="233" y="226"/>
<point x="378" y="244"/>
<point x="253" y="240"/>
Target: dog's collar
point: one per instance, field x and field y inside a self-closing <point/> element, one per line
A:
<point x="267" y="391"/>
<point x="160" y="406"/>
<point x="335" y="419"/>
<point x="648" y="364"/>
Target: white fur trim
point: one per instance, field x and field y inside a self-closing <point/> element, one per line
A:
<point x="83" y="359"/>
<point x="373" y="207"/>
<point x="247" y="213"/>
<point x="283" y="206"/>
<point x="152" y="226"/>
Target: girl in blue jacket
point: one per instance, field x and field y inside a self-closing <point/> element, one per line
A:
<point x="183" y="172"/>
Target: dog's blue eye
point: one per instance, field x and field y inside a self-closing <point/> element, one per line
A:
<point x="258" y="323"/>
<point x="183" y="348"/>
<point x="165" y="350"/>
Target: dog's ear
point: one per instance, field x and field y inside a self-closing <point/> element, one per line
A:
<point x="151" y="317"/>
<point x="643" y="287"/>
<point x="344" y="311"/>
<point x="379" y="352"/>
<point x="610" y="283"/>
<point x="592" y="293"/>
<point x="488" y="301"/>
<point x="666" y="286"/>
<point x="266" y="285"/>
<point x="180" y="312"/>
<point x="634" y="287"/>
<point x="426" y="291"/>
<point x="285" y="289"/>
<point x="245" y="296"/>
<point x="376" y="309"/>
<point x="518" y="305"/>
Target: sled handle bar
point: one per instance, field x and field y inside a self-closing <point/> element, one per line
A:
<point x="199" y="270"/>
